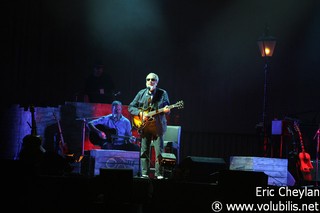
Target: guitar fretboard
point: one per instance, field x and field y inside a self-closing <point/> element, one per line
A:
<point x="296" y="127"/>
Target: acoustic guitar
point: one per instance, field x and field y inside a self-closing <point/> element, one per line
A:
<point x="111" y="134"/>
<point x="139" y="123"/>
<point x="304" y="158"/>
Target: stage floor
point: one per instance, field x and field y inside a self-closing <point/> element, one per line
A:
<point x="116" y="191"/>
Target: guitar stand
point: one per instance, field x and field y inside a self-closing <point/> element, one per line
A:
<point x="317" y="135"/>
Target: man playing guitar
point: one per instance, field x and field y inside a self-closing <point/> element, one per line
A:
<point x="153" y="98"/>
<point x="113" y="131"/>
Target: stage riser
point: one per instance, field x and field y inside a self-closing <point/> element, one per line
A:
<point x="275" y="168"/>
<point x="113" y="159"/>
<point x="201" y="169"/>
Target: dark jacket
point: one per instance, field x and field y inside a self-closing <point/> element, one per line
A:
<point x="141" y="103"/>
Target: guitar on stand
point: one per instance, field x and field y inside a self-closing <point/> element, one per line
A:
<point x="33" y="127"/>
<point x="62" y="145"/>
<point x="304" y="158"/>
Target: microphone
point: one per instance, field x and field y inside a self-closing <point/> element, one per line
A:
<point x="149" y="88"/>
<point x="117" y="93"/>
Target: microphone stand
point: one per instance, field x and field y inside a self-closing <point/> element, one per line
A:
<point x="139" y="163"/>
<point x="317" y="135"/>
<point x="83" y="134"/>
<point x="84" y="122"/>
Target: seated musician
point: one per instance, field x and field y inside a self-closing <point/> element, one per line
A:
<point x="113" y="131"/>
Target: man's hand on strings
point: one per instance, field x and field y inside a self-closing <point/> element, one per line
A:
<point x="166" y="109"/>
<point x="102" y="135"/>
<point x="132" y="139"/>
<point x="144" y="116"/>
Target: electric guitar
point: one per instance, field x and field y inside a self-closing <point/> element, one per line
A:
<point x="111" y="134"/>
<point x="304" y="158"/>
<point x="139" y="122"/>
<point x="62" y="145"/>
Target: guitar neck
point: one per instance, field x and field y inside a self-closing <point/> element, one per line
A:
<point x="59" y="128"/>
<point x="300" y="138"/>
<point x="120" y="136"/>
<point x="60" y="132"/>
<point x="33" y="121"/>
<point x="301" y="144"/>
<point x="154" y="112"/>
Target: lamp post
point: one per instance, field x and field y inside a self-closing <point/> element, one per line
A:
<point x="266" y="45"/>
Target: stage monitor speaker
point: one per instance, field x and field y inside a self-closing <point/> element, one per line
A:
<point x="168" y="159"/>
<point x="201" y="169"/>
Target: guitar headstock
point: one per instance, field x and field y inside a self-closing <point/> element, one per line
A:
<point x="296" y="126"/>
<point x="32" y="110"/>
<point x="54" y="115"/>
<point x="290" y="131"/>
<point x="179" y="104"/>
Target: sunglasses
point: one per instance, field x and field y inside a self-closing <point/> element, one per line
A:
<point x="150" y="79"/>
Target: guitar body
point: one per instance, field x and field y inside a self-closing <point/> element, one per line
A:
<point x="138" y="122"/>
<point x="305" y="165"/>
<point x="96" y="140"/>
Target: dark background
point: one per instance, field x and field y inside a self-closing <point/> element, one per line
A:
<point x="204" y="51"/>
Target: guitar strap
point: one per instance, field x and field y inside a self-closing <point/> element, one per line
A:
<point x="152" y="97"/>
<point x="150" y="100"/>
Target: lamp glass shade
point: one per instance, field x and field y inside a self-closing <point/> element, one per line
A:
<point x="266" y="46"/>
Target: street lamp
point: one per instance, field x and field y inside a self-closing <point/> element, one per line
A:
<point x="266" y="45"/>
